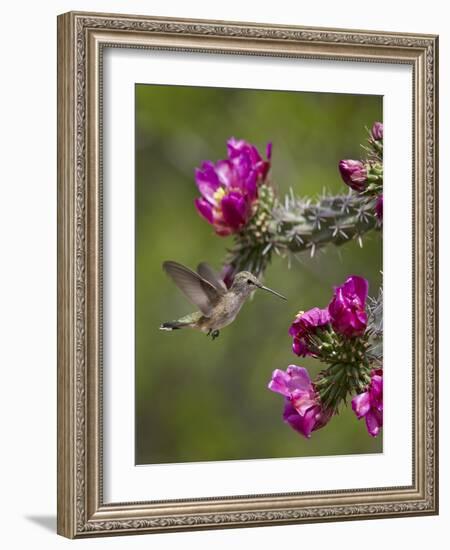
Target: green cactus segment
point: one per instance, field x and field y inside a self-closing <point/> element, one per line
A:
<point x="299" y="225"/>
<point x="341" y="381"/>
<point x="302" y="225"/>
<point x="351" y="360"/>
<point x="375" y="330"/>
<point x="348" y="372"/>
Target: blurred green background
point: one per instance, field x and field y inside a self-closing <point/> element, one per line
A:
<point x="198" y="400"/>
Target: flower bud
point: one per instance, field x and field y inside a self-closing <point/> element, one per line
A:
<point x="347" y="307"/>
<point x="354" y="174"/>
<point x="377" y="131"/>
<point x="304" y="326"/>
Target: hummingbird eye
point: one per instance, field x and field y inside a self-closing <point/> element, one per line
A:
<point x="249" y="282"/>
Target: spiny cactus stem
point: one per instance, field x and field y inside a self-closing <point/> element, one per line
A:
<point x="296" y="225"/>
<point x="339" y="381"/>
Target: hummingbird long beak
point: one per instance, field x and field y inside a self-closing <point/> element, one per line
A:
<point x="273" y="292"/>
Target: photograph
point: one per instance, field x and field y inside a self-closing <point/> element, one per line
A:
<point x="258" y="274"/>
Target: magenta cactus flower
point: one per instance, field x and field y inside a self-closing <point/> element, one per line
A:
<point x="354" y="174"/>
<point x="248" y="159"/>
<point x="369" y="404"/>
<point x="347" y="307"/>
<point x="302" y="409"/>
<point x="379" y="207"/>
<point x="304" y="325"/>
<point x="229" y="187"/>
<point x="377" y="131"/>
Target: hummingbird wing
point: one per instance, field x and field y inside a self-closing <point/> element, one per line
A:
<point x="207" y="272"/>
<point x="196" y="289"/>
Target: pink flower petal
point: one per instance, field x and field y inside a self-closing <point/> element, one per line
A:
<point x="361" y="404"/>
<point x="279" y="382"/>
<point x="204" y="208"/>
<point x="309" y="421"/>
<point x="347" y="307"/>
<point x="207" y="181"/>
<point x="299" y="378"/>
<point x="357" y="285"/>
<point x="225" y="173"/>
<point x="374" y="421"/>
<point x="234" y="210"/>
<point x="294" y="379"/>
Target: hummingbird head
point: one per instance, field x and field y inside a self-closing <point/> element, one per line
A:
<point x="245" y="283"/>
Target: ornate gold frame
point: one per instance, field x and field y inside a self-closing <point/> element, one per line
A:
<point x="81" y="38"/>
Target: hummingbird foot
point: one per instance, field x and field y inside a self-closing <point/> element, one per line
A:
<point x="215" y="334"/>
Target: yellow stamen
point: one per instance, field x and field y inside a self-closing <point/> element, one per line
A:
<point x="219" y="194"/>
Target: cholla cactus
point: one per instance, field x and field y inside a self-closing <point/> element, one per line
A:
<point x="264" y="225"/>
<point x="346" y="336"/>
<point x="300" y="225"/>
<point x="238" y="199"/>
<point x="375" y="329"/>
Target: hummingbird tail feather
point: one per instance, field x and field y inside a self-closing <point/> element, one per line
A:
<point x="186" y="321"/>
<point x="173" y="325"/>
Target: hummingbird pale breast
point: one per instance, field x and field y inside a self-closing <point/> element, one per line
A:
<point x="223" y="313"/>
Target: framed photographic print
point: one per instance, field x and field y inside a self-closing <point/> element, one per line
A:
<point x="247" y="280"/>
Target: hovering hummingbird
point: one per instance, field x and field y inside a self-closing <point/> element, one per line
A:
<point x="218" y="305"/>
